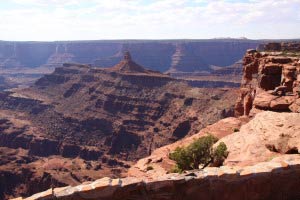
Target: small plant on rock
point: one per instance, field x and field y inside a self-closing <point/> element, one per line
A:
<point x="199" y="152"/>
<point x="220" y="154"/>
<point x="182" y="158"/>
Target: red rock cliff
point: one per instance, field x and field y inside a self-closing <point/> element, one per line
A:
<point x="271" y="79"/>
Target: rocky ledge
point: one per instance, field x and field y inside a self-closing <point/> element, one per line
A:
<point x="266" y="180"/>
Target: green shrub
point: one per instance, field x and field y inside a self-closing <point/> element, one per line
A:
<point x="182" y="158"/>
<point x="198" y="152"/>
<point x="220" y="153"/>
<point x="176" y="169"/>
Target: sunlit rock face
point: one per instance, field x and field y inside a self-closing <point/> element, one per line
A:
<point x="271" y="79"/>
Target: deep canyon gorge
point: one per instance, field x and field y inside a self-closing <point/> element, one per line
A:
<point x="102" y="118"/>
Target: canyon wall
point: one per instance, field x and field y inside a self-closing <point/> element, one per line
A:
<point x="271" y="79"/>
<point x="173" y="55"/>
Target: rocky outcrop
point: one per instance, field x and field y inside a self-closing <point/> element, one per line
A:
<point x="267" y="135"/>
<point x="270" y="79"/>
<point x="267" y="180"/>
<point x="127" y="65"/>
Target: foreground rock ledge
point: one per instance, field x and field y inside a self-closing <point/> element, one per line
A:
<point x="276" y="179"/>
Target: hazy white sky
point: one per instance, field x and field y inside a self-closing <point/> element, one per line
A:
<point x="148" y="19"/>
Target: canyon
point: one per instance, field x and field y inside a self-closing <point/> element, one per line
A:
<point x="262" y="140"/>
<point x="22" y="63"/>
<point x="106" y="133"/>
<point x="81" y="123"/>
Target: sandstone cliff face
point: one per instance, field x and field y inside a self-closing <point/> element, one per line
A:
<point x="34" y="54"/>
<point x="270" y="80"/>
<point x="201" y="56"/>
<point x="156" y="55"/>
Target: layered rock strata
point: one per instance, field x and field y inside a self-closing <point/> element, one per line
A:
<point x="271" y="80"/>
<point x="196" y="55"/>
<point x="81" y="123"/>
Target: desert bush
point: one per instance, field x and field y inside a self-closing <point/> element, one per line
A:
<point x="199" y="152"/>
<point x="220" y="153"/>
<point x="176" y="169"/>
<point x="182" y="158"/>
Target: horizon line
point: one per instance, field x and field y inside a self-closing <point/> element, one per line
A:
<point x="171" y="39"/>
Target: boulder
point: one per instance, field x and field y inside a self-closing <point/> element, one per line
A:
<point x="267" y="135"/>
<point x="282" y="103"/>
<point x="263" y="100"/>
<point x="289" y="76"/>
<point x="295" y="106"/>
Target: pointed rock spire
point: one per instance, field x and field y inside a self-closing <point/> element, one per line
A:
<point x="127" y="56"/>
<point x="128" y="66"/>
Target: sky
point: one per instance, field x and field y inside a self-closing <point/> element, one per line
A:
<point x="52" y="20"/>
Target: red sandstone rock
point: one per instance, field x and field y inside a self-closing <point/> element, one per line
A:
<point x="295" y="107"/>
<point x="266" y="180"/>
<point x="265" y="136"/>
<point x="264" y="71"/>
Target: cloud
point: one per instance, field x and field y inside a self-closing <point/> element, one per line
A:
<point x="118" y="19"/>
<point x="47" y="2"/>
